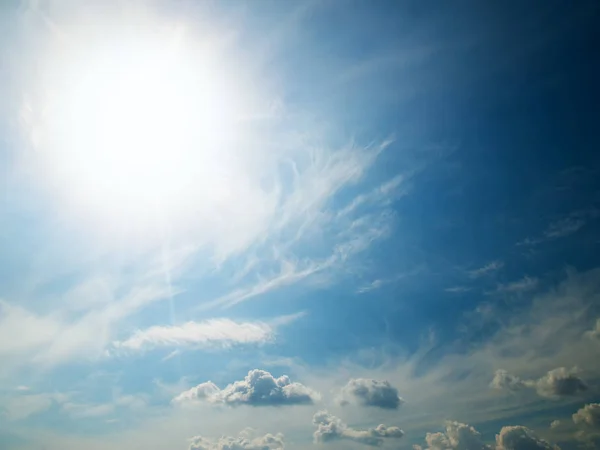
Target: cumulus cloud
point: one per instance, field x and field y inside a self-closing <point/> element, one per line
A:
<point x="456" y="436"/>
<point x="258" y="388"/>
<point x="589" y="415"/>
<point x="369" y="392"/>
<point x="521" y="438"/>
<point x="504" y="380"/>
<point x="460" y="436"/>
<point x="555" y="424"/>
<point x="214" y="332"/>
<point x="594" y="333"/>
<point x="559" y="382"/>
<point x="247" y="440"/>
<point x="330" y="428"/>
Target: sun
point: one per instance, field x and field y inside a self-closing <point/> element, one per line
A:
<point x="136" y="124"/>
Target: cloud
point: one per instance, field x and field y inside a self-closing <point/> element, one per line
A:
<point x="460" y="436"/>
<point x="559" y="382"/>
<point x="504" y="380"/>
<point x="486" y="270"/>
<point x="369" y="392"/>
<point x="34" y="331"/>
<point x="458" y="289"/>
<point x="594" y="333"/>
<point x="521" y="438"/>
<point x="330" y="428"/>
<point x="589" y="415"/>
<point x="523" y="285"/>
<point x="290" y="272"/>
<point x="563" y="227"/>
<point x="258" y="388"/>
<point x="555" y="424"/>
<point x="383" y="194"/>
<point x="22" y="406"/>
<point x="245" y="441"/>
<point x="85" y="411"/>
<point x="214" y="332"/>
<point x="457" y="436"/>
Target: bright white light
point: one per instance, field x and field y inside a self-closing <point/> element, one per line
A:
<point x="136" y="125"/>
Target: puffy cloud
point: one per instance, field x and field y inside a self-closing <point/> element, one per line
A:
<point x="219" y="332"/>
<point x="331" y="428"/>
<point x="594" y="333"/>
<point x="369" y="392"/>
<point x="457" y="436"/>
<point x="555" y="424"/>
<point x="559" y="382"/>
<point x="588" y="415"/>
<point x="258" y="388"/>
<point x="504" y="380"/>
<point x="245" y="441"/>
<point x="521" y="438"/>
<point x="460" y="436"/>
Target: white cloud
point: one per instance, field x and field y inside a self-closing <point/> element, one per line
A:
<point x="559" y="382"/>
<point x="588" y="415"/>
<point x="504" y="380"/>
<point x="487" y="269"/>
<point x="258" y="388"/>
<point x="523" y="285"/>
<point x="84" y="411"/>
<point x="34" y="331"/>
<point x="247" y="440"/>
<point x="563" y="227"/>
<point x="594" y="333"/>
<point x="369" y="392"/>
<point x="213" y="332"/>
<point x="22" y="406"/>
<point x="290" y="273"/>
<point x="521" y="438"/>
<point x="555" y="424"/>
<point x="458" y="289"/>
<point x="456" y="436"/>
<point x="460" y="436"/>
<point x="383" y="194"/>
<point x="331" y="428"/>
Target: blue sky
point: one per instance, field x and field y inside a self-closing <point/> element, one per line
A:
<point x="268" y="225"/>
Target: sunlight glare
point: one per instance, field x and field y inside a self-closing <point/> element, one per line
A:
<point x="139" y="123"/>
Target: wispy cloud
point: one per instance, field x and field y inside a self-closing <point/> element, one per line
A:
<point x="525" y="284"/>
<point x="562" y="227"/>
<point x="379" y="282"/>
<point x="458" y="289"/>
<point x="214" y="332"/>
<point x="487" y="269"/>
<point x="383" y="194"/>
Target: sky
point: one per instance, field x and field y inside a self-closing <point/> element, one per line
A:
<point x="268" y="225"/>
